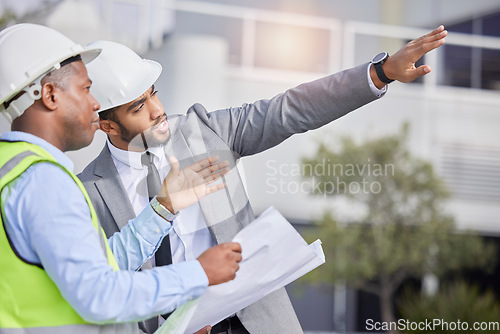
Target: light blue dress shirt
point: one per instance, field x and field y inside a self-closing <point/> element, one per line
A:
<point x="48" y="222"/>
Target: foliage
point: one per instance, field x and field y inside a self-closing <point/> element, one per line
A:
<point x="361" y="254"/>
<point x="7" y="17"/>
<point x="457" y="301"/>
<point x="402" y="230"/>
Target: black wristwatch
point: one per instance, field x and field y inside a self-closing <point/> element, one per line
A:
<point x="377" y="62"/>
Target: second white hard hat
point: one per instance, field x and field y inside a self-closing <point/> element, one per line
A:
<point x="119" y="75"/>
<point x="27" y="53"/>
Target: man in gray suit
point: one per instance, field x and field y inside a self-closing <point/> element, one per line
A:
<point x="134" y="120"/>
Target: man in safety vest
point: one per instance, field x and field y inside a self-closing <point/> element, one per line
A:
<point x="58" y="273"/>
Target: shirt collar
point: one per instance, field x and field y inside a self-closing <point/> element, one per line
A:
<point x="132" y="158"/>
<point x="59" y="155"/>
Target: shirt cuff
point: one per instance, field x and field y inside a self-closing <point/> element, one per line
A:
<point x="377" y="92"/>
<point x="200" y="274"/>
<point x="151" y="226"/>
<point x="194" y="278"/>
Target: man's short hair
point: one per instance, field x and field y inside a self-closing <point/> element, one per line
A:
<point x="59" y="77"/>
<point x="109" y="114"/>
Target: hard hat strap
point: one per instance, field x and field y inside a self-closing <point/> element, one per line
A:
<point x="32" y="93"/>
<point x="18" y="106"/>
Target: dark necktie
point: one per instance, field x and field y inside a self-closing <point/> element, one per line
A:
<point x="153" y="179"/>
<point x="163" y="255"/>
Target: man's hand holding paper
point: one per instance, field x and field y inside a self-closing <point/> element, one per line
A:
<point x="274" y="255"/>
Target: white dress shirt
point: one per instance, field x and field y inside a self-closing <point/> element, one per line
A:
<point x="377" y="92"/>
<point x="190" y="236"/>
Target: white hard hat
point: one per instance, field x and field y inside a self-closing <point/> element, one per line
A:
<point x="119" y="75"/>
<point x="27" y="53"/>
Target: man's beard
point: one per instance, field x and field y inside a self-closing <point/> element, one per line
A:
<point x="147" y="138"/>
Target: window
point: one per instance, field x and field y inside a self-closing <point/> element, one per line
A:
<point x="473" y="67"/>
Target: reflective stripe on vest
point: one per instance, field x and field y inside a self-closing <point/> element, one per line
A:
<point x="30" y="302"/>
<point x="13" y="163"/>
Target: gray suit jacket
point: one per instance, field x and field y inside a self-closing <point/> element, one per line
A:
<point x="233" y="133"/>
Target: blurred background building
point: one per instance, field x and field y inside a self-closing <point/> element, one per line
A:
<point x="223" y="53"/>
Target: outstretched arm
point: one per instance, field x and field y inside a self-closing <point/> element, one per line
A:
<point x="263" y="124"/>
<point x="401" y="65"/>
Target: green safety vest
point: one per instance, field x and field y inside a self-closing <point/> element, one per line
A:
<point x="30" y="302"/>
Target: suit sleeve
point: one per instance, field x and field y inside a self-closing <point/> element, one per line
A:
<point x="253" y="128"/>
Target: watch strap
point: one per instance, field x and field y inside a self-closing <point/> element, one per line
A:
<point x="381" y="74"/>
<point x="162" y="210"/>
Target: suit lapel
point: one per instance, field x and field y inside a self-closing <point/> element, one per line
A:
<point x="111" y="188"/>
<point x="188" y="145"/>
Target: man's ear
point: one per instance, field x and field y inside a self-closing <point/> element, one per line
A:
<point x="49" y="96"/>
<point x="109" y="127"/>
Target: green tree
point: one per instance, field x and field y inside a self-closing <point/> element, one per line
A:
<point x="401" y="229"/>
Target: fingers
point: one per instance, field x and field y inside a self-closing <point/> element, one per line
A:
<point x="401" y="65"/>
<point x="214" y="188"/>
<point x="437" y="33"/>
<point x="220" y="262"/>
<point x="432" y="45"/>
<point x="422" y="46"/>
<point x="418" y="72"/>
<point x="204" y="330"/>
<point x="212" y="178"/>
<point x="234" y="246"/>
<point x="235" y="253"/>
<point x="202" y="164"/>
<point x="423" y="69"/>
<point x="174" y="163"/>
<point x="214" y="169"/>
<point x="210" y="169"/>
<point x="216" y="176"/>
<point x="430" y="41"/>
<point x="233" y="250"/>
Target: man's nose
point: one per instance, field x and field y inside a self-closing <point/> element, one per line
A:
<point x="156" y="110"/>
<point x="95" y="105"/>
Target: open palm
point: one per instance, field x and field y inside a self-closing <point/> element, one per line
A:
<point x="182" y="188"/>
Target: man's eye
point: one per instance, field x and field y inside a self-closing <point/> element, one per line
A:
<point x="139" y="108"/>
<point x="154" y="93"/>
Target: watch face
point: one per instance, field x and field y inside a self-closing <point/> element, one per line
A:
<point x="378" y="58"/>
